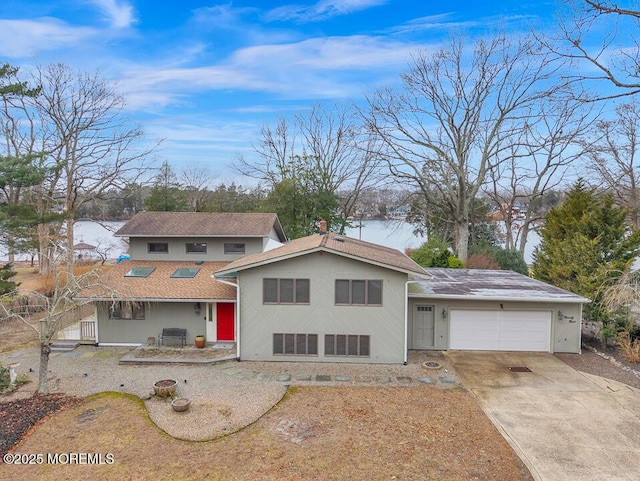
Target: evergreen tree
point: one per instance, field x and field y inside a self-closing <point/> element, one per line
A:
<point x="167" y="194"/>
<point x="6" y="276"/>
<point x="586" y="245"/>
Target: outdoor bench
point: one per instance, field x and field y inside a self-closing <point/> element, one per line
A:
<point x="173" y="335"/>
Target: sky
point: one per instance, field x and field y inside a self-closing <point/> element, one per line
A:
<point x="205" y="76"/>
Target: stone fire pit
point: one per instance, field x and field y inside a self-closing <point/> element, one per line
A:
<point x="165" y="388"/>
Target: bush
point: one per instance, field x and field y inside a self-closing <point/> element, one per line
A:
<point x="454" y="263"/>
<point x="629" y="348"/>
<point x="433" y="253"/>
<point x="508" y="260"/>
<point x="482" y="261"/>
<point x="5" y="380"/>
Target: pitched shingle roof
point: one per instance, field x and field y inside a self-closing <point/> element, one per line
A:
<point x="159" y="285"/>
<point x="337" y="244"/>
<point x="206" y="224"/>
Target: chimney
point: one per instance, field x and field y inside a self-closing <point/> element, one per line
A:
<point x="323" y="226"/>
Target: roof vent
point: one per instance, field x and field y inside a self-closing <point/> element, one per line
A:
<point x="340" y="239"/>
<point x="199" y="263"/>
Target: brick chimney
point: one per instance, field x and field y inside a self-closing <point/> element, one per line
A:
<point x="323" y="226"/>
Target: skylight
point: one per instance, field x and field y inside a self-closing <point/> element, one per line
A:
<point x="185" y="272"/>
<point x="140" y="272"/>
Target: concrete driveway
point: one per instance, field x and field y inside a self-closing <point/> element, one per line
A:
<point x="564" y="424"/>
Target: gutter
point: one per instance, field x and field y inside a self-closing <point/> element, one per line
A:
<point x="237" y="286"/>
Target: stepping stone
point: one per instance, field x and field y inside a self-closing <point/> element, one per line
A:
<point x="245" y="374"/>
<point x="343" y="378"/>
<point x="426" y="380"/>
<point x="364" y="379"/>
<point x="283" y="378"/>
<point x="263" y="377"/>
<point x="15" y="354"/>
<point x="448" y="379"/>
<point x="382" y="379"/>
<point x="404" y="379"/>
<point x="323" y="378"/>
<point x="303" y="377"/>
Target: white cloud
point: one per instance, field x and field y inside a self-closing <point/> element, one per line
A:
<point x="295" y="70"/>
<point x="323" y="10"/>
<point x="24" y="38"/>
<point x="334" y="67"/>
<point x="120" y="14"/>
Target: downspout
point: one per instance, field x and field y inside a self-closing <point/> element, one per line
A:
<point x="237" y="286"/>
<point x="406" y="320"/>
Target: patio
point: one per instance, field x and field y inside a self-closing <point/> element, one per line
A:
<point x="145" y="354"/>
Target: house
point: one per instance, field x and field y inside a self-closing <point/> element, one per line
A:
<point x="321" y="298"/>
<point x="336" y="299"/>
<point x="168" y="280"/>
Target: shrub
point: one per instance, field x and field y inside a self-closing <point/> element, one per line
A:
<point x="454" y="263"/>
<point x="433" y="253"/>
<point x="510" y="260"/>
<point x="482" y="261"/>
<point x="629" y="348"/>
<point x="5" y="380"/>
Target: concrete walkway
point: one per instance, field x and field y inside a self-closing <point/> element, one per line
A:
<point x="564" y="424"/>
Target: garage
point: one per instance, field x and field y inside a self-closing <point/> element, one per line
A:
<point x="500" y="330"/>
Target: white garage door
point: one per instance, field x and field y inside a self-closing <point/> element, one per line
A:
<point x="499" y="330"/>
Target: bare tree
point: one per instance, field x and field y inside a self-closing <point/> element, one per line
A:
<point x="55" y="307"/>
<point x="599" y="35"/>
<point x="89" y="139"/>
<point x="550" y="145"/>
<point x="195" y="182"/>
<point x="612" y="150"/>
<point x="335" y="151"/>
<point x="457" y="118"/>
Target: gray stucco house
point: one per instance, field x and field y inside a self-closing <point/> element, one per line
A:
<point x="324" y="297"/>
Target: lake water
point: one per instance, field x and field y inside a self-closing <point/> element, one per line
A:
<point x="395" y="234"/>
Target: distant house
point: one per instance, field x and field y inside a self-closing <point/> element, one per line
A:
<point x="322" y="298"/>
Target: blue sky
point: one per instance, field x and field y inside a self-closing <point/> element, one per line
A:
<point x="206" y="76"/>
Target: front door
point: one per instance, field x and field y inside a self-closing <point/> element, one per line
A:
<point x="225" y="321"/>
<point x="423" y="327"/>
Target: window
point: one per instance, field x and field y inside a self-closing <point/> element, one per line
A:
<point x="196" y="247"/>
<point x="126" y="310"/>
<point x="140" y="272"/>
<point x="285" y="291"/>
<point x="158" y="247"/>
<point x="185" y="272"/>
<point x="358" y="292"/>
<point x="234" y="248"/>
<point x="295" y="344"/>
<point x="346" y="345"/>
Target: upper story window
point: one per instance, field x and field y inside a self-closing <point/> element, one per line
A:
<point x="285" y="291"/>
<point x="158" y="247"/>
<point x="358" y="292"/>
<point x="196" y="247"/>
<point x="234" y="248"/>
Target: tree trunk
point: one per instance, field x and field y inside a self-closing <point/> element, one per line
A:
<point x="462" y="240"/>
<point x="69" y="240"/>
<point x="45" y="350"/>
<point x="44" y="260"/>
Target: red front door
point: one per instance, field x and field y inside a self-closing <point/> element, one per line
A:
<point x="225" y="324"/>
